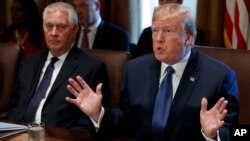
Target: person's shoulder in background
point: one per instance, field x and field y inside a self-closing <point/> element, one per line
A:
<point x="114" y="35"/>
<point x="199" y="37"/>
<point x="145" y="43"/>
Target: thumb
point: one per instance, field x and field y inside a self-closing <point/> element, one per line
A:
<point x="99" y="89"/>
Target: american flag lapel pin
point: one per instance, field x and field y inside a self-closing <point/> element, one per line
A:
<point x="192" y="79"/>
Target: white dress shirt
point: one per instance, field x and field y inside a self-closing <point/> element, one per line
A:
<point x="179" y="69"/>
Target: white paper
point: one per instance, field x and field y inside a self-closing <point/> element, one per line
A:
<point x="7" y="129"/>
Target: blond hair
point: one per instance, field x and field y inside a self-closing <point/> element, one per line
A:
<point x="173" y="10"/>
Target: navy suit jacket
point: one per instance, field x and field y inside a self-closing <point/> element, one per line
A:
<point x="57" y="111"/>
<point x="202" y="77"/>
<point x="109" y="37"/>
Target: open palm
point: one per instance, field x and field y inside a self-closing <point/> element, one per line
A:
<point x="86" y="99"/>
<point x="212" y="120"/>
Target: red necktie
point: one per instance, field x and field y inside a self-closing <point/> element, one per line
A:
<point x="85" y="40"/>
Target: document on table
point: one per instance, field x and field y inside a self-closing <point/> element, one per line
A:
<point x="7" y="129"/>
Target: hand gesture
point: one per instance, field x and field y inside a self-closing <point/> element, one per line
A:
<point x="86" y="99"/>
<point x="213" y="119"/>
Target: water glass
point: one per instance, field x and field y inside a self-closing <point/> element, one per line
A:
<point x="36" y="131"/>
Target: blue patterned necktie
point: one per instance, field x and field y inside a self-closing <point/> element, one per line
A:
<point x="40" y="92"/>
<point x="163" y="103"/>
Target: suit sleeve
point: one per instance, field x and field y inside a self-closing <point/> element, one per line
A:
<point x="230" y="89"/>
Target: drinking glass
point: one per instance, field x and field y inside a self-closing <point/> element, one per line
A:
<point x="36" y="131"/>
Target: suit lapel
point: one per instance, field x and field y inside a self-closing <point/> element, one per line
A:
<point x="36" y="72"/>
<point x="188" y="81"/>
<point x="151" y="88"/>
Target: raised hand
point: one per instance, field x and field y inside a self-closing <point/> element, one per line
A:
<point x="86" y="99"/>
<point x="213" y="119"/>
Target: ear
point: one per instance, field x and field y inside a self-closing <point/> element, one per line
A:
<point x="189" y="40"/>
<point x="98" y="5"/>
<point x="76" y="28"/>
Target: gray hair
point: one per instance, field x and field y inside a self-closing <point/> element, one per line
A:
<point x="73" y="19"/>
<point x="173" y="10"/>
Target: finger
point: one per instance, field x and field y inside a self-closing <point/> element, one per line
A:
<point x="223" y="115"/>
<point x="72" y="90"/>
<point x="203" y="105"/>
<point x="220" y="124"/>
<point x="219" y="102"/>
<point x="99" y="89"/>
<point x="223" y="106"/>
<point x="71" y="100"/>
<point x="82" y="82"/>
<point x="75" y="85"/>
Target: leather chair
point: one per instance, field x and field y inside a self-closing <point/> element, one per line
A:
<point x="115" y="63"/>
<point x="239" y="61"/>
<point x="9" y="60"/>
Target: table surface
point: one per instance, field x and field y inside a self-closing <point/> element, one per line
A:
<point x="59" y="134"/>
<point x="54" y="134"/>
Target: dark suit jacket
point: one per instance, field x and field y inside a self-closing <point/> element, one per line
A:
<point x="202" y="77"/>
<point x="57" y="111"/>
<point x="145" y="43"/>
<point x="109" y="37"/>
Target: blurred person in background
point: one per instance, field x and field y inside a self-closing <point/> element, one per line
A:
<point x="26" y="28"/>
<point x="100" y="33"/>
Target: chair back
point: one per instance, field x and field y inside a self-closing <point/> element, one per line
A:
<point x="115" y="62"/>
<point x="9" y="60"/>
<point x="239" y="61"/>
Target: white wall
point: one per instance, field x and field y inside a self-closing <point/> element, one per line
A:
<point x="192" y="4"/>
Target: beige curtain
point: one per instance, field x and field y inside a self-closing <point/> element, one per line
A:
<point x="116" y="12"/>
<point x="210" y="19"/>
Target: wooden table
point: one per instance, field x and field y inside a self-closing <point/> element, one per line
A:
<point x="54" y="134"/>
<point x="60" y="134"/>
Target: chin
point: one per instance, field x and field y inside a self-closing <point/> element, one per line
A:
<point x="159" y="57"/>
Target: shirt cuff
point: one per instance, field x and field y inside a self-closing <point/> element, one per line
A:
<point x="208" y="139"/>
<point x="98" y="123"/>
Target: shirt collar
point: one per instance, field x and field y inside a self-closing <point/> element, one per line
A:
<point x="178" y="67"/>
<point x="93" y="28"/>
<point x="61" y="57"/>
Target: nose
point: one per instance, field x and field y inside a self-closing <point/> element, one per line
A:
<point x="54" y="31"/>
<point x="160" y="36"/>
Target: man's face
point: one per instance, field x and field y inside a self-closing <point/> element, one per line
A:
<point x="59" y="34"/>
<point x="86" y="11"/>
<point x="169" y="40"/>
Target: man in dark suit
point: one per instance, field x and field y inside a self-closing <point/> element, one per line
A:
<point x="101" y="34"/>
<point x="145" y="43"/>
<point x="60" y="27"/>
<point x="203" y="92"/>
